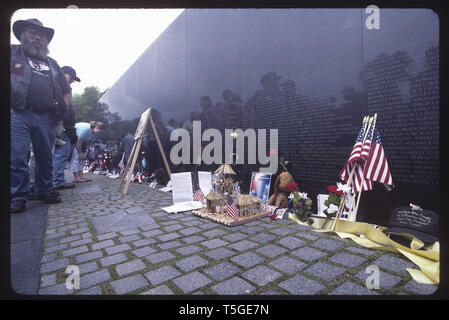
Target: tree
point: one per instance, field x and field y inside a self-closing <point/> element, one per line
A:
<point x="87" y="108"/>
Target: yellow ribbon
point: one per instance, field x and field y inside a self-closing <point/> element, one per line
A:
<point x="427" y="258"/>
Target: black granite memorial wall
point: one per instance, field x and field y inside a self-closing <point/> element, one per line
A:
<point x="313" y="75"/>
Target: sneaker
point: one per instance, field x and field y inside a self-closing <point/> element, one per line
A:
<point x="18" y="206"/>
<point x="52" y="197"/>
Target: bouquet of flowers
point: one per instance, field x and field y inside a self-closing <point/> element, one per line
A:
<point x="299" y="203"/>
<point x="333" y="202"/>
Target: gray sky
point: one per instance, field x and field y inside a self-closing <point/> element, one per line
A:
<point x="101" y="44"/>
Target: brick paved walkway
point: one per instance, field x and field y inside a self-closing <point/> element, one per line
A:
<point x="125" y="244"/>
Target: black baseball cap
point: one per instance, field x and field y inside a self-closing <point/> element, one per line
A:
<point x="71" y="71"/>
<point x="423" y="224"/>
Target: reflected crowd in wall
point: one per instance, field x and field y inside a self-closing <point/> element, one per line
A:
<point x="323" y="123"/>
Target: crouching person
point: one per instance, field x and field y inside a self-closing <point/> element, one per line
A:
<point x="86" y="132"/>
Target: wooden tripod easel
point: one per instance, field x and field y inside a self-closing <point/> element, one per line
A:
<point x="138" y="137"/>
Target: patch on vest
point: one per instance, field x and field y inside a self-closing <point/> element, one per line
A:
<point x="17" y="67"/>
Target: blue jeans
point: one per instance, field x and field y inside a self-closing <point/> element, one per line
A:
<point x="60" y="159"/>
<point x="39" y="129"/>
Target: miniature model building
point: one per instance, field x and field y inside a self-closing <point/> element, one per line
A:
<point x="226" y="182"/>
<point x="247" y="205"/>
<point x="214" y="202"/>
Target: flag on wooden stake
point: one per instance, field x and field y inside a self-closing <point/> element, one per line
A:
<point x="357" y="158"/>
<point x="121" y="164"/>
<point x="198" y="195"/>
<point x="376" y="166"/>
<point x="231" y="209"/>
<point x="354" y="156"/>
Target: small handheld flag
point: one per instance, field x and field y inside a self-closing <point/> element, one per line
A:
<point x="231" y="208"/>
<point x="376" y="167"/>
<point x="121" y="164"/>
<point x="198" y="195"/>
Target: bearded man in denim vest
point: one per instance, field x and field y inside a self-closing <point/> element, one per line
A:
<point x="39" y="98"/>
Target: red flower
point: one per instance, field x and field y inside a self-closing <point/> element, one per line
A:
<point x="291" y="187"/>
<point x="273" y="216"/>
<point x="333" y="189"/>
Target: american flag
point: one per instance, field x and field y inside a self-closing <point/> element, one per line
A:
<point x="198" y="195"/>
<point x="367" y="144"/>
<point x="102" y="160"/>
<point x="138" y="178"/>
<point x="121" y="164"/>
<point x="358" y="179"/>
<point x="376" y="166"/>
<point x="354" y="156"/>
<point x="357" y="158"/>
<point x="92" y="166"/>
<point x="231" y="208"/>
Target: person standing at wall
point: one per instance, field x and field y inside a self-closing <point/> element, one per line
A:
<point x="39" y="98"/>
<point x="62" y="152"/>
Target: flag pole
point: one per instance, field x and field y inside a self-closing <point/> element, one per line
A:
<point x="367" y="121"/>
<point x="351" y="206"/>
<point x="343" y="199"/>
<point x="363" y="176"/>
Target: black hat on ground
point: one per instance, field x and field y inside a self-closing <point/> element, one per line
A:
<point x="71" y="71"/>
<point x="20" y="25"/>
<point x="423" y="224"/>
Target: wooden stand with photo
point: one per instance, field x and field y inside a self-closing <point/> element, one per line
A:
<point x="138" y="137"/>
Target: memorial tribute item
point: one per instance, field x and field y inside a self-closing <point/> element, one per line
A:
<point x="183" y="198"/>
<point x="138" y="137"/>
<point x="198" y="195"/>
<point x="121" y="164"/>
<point x="181" y="187"/>
<point x="247" y="205"/>
<point x="367" y="163"/>
<point x="225" y="182"/>
<point x="205" y="181"/>
<point x="316" y="110"/>
<point x="300" y="205"/>
<point x="260" y="185"/>
<point x="420" y="223"/>
<point x="214" y="202"/>
<point x="353" y="165"/>
<point x="232" y="209"/>
<point x="280" y="196"/>
<point x="332" y="201"/>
